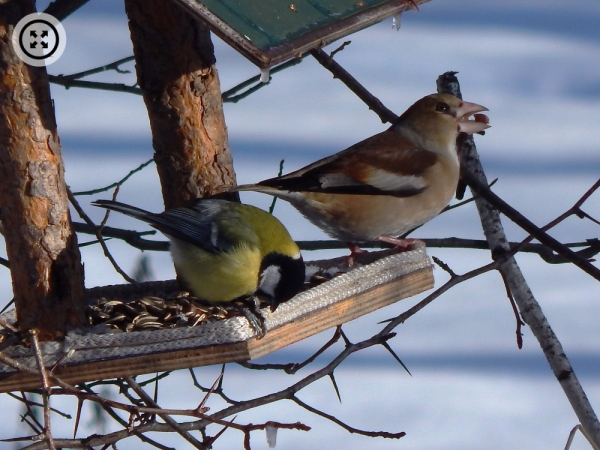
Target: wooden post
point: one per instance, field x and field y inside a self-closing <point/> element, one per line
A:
<point x="176" y="72"/>
<point x="45" y="263"/>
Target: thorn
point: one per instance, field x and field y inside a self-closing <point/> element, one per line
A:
<point x="218" y="435"/>
<point x="389" y="349"/>
<point x="220" y="385"/>
<point x="344" y="337"/>
<point x="335" y="386"/>
<point x="79" y="406"/>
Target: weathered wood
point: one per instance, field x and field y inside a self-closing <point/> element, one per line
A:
<point x="127" y="354"/>
<point x="176" y="71"/>
<point x="45" y="263"/>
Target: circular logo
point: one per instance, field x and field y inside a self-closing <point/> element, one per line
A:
<point x="39" y="39"/>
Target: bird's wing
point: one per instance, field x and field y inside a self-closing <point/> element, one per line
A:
<point x="196" y="225"/>
<point x="384" y="164"/>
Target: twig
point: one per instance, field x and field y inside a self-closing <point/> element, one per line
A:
<point x="511" y="299"/>
<point x="272" y="207"/>
<point x="9" y="326"/>
<point x="383" y="434"/>
<point x="483" y="191"/>
<point x="340" y="73"/>
<point x="124" y="424"/>
<point x="168" y="419"/>
<point x="229" y="95"/>
<point x="68" y="83"/>
<point x="133" y="238"/>
<point x="340" y="48"/>
<point x="35" y="345"/>
<point x="572" y="436"/>
<point x="530" y="309"/>
<point x="292" y="368"/>
<point x="98" y="234"/>
<point x="118" y="183"/>
<point x="28" y="402"/>
<point x="574" y="210"/>
<point x="105" y="68"/>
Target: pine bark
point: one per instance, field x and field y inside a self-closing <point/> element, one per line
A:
<point x="45" y="262"/>
<point x="176" y="71"/>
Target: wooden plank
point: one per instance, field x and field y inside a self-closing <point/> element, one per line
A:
<point x="341" y="312"/>
<point x="127" y="354"/>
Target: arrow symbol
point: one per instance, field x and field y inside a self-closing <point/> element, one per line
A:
<point x="33" y="44"/>
<point x="44" y="44"/>
<point x="44" y="33"/>
<point x="32" y="33"/>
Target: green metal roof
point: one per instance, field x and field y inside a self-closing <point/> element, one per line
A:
<point x="271" y="31"/>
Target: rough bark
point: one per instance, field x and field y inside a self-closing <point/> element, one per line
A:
<point x="176" y="72"/>
<point x="45" y="263"/>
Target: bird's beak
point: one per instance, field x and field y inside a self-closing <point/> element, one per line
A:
<point x="475" y="125"/>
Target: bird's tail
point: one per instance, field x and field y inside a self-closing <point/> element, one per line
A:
<point x="246" y="187"/>
<point x="129" y="210"/>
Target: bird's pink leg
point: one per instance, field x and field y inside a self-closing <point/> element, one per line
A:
<point x="402" y="244"/>
<point x="355" y="250"/>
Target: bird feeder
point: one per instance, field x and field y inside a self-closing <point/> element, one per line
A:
<point x="270" y="32"/>
<point x="92" y="355"/>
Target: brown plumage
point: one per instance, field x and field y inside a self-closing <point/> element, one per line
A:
<point x="389" y="183"/>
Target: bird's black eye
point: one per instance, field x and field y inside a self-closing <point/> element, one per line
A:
<point x="442" y="107"/>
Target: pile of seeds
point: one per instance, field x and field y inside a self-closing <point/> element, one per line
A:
<point x="155" y="313"/>
<point x="174" y="310"/>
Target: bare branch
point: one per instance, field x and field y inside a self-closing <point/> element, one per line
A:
<point x="118" y="183"/>
<point x="383" y="434"/>
<point x="35" y="345"/>
<point x="98" y="234"/>
<point x="530" y="309"/>
<point x="340" y="73"/>
<point x="168" y="419"/>
<point x="105" y="68"/>
<point x="292" y="368"/>
<point x="69" y="83"/>
<point x="530" y="227"/>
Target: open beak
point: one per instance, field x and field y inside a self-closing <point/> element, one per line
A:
<point x="469" y="125"/>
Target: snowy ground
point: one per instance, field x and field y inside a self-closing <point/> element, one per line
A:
<point x="535" y="66"/>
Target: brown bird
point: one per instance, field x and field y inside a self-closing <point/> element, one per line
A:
<point x="388" y="184"/>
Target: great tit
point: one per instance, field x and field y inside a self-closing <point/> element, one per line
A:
<point x="388" y="184"/>
<point x="224" y="251"/>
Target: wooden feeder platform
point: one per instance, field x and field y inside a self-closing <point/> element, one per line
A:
<point x="89" y="356"/>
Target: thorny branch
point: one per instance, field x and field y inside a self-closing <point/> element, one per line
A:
<point x="145" y="415"/>
<point x="35" y="344"/>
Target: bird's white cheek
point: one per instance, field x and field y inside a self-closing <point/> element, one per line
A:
<point x="269" y="280"/>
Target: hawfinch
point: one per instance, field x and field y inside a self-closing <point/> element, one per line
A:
<point x="388" y="184"/>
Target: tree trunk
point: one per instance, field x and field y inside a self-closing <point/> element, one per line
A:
<point x="45" y="263"/>
<point x="176" y="72"/>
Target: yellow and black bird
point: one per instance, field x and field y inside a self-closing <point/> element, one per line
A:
<point x="224" y="251"/>
<point x="388" y="184"/>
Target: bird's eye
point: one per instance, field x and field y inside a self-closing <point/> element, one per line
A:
<point x="442" y="107"/>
